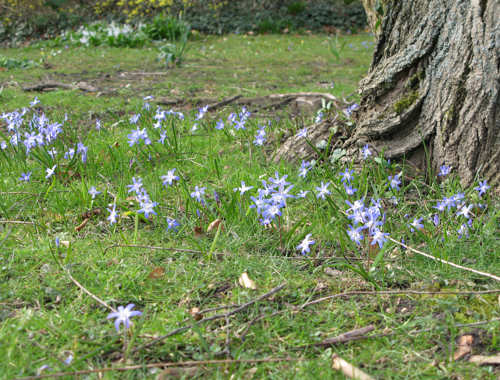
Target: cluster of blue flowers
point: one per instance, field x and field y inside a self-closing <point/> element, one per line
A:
<point x="33" y="130"/>
<point x="235" y="120"/>
<point x="272" y="198"/>
<point x="160" y="117"/>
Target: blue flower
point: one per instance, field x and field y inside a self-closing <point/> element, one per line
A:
<point x="355" y="234"/>
<point x="465" y="210"/>
<point x="147" y="208"/>
<point x="219" y="125"/>
<point x="378" y="237"/>
<point x="25" y="177"/>
<point x="135" y="118"/>
<point x="305" y="166"/>
<point x="113" y="214"/>
<point x="349" y="110"/>
<point x="82" y="149"/>
<point x="302" y="193"/>
<point x="463" y="231"/>
<point x="444" y="170"/>
<point x="198" y="194"/>
<point x="416" y="224"/>
<point x="277" y="181"/>
<point x="302" y="133"/>
<point x="50" y="171"/>
<point x="34" y="102"/>
<point x="349" y="190"/>
<point x="395" y="181"/>
<point x="435" y="220"/>
<point x="93" y="192"/>
<point x="366" y="151"/>
<point x="482" y="188"/>
<point x="243" y="188"/>
<point x="172" y="224"/>
<point x="358" y="205"/>
<point x="169" y="178"/>
<point x="347" y="175"/>
<point x="271" y="211"/>
<point x="163" y="136"/>
<point x="136" y="185"/>
<point x="323" y="190"/>
<point x="123" y="315"/>
<point x="304" y="246"/>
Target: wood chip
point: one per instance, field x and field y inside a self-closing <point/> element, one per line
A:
<point x="348" y="369"/>
<point x="485" y="360"/>
<point x="247" y="282"/>
<point x="464" y="346"/>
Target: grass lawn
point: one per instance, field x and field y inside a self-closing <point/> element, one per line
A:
<point x="70" y="257"/>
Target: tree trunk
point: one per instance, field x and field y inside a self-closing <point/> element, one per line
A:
<point x="433" y="87"/>
<point x="371" y="14"/>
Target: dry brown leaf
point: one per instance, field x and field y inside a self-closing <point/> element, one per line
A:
<point x="247" y="282"/>
<point x="195" y="313"/>
<point x="464" y="346"/>
<point x="215" y="225"/>
<point x="485" y="360"/>
<point x="157" y="272"/>
<point x="198" y="232"/>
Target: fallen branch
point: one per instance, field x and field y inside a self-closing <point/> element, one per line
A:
<point x="160" y="365"/>
<point x="144" y="73"/>
<point x="211" y="318"/>
<point x="347" y="336"/>
<point x="392" y="333"/>
<point x="267" y="101"/>
<point x="150" y="247"/>
<point x="256" y="319"/>
<point x="222" y="103"/>
<point x="484" y="274"/>
<point x="397" y="292"/>
<point x="348" y="369"/>
<point x="15" y="222"/>
<point x="51" y="85"/>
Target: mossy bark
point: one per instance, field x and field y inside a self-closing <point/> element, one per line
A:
<point x="433" y="86"/>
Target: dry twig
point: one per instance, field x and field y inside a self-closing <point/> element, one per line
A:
<point x="347" y="336"/>
<point x="15" y="222"/>
<point x="397" y="292"/>
<point x="211" y="318"/>
<point x="160" y="365"/>
<point x="93" y="296"/>
<point x="484" y="274"/>
<point x="150" y="247"/>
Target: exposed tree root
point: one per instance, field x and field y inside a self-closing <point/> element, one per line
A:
<point x="51" y="86"/>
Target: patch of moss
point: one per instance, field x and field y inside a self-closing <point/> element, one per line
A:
<point x="404" y="103"/>
<point x="414" y="80"/>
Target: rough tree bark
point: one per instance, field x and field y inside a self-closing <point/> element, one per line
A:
<point x="433" y="86"/>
